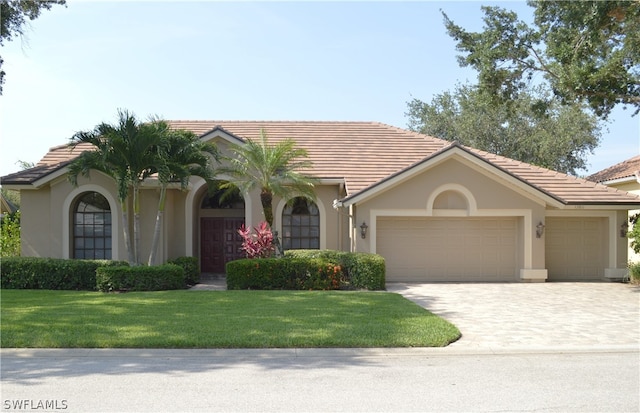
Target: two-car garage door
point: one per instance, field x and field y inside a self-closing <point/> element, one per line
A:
<point x="426" y="249"/>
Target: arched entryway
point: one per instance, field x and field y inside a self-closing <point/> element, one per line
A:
<point x="220" y="217"/>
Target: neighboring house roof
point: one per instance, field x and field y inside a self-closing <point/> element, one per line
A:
<point x="364" y="154"/>
<point x="619" y="171"/>
<point x="6" y="206"/>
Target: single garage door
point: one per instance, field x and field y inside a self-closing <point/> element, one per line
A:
<point x="575" y="248"/>
<point x="418" y="249"/>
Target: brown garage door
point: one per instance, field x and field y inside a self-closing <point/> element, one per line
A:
<point x="448" y="249"/>
<point x="575" y="248"/>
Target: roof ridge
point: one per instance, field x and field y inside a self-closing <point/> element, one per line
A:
<point x="215" y="121"/>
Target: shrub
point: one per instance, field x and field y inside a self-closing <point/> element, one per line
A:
<point x="365" y="271"/>
<point x="362" y="270"/>
<point x="51" y="273"/>
<point x="140" y="278"/>
<point x="190" y="267"/>
<point x="634" y="272"/>
<point x="10" y="235"/>
<point x="309" y="269"/>
<point x="283" y="274"/>
<point x="258" y="245"/>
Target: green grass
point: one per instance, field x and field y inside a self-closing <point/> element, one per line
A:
<point x="217" y="319"/>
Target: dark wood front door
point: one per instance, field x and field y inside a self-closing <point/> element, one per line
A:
<point x="219" y="243"/>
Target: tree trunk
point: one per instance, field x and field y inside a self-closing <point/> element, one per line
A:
<point x="125" y="229"/>
<point x="266" y="198"/>
<point x="156" y="231"/>
<point x="136" y="223"/>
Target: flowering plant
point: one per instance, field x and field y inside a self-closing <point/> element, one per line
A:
<point x="258" y="245"/>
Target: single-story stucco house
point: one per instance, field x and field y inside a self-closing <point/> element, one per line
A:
<point x="435" y="210"/>
<point x="624" y="176"/>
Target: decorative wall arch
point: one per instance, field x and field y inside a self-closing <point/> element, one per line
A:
<point x="116" y="225"/>
<point x="471" y="204"/>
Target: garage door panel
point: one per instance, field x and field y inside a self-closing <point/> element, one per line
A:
<point x="575" y="248"/>
<point x="448" y="249"/>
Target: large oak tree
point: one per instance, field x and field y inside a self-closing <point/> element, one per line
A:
<point x="587" y="51"/>
<point x="534" y="128"/>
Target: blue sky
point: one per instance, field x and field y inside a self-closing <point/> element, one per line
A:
<point x="359" y="61"/>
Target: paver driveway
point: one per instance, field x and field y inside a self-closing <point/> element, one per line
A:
<point x="539" y="316"/>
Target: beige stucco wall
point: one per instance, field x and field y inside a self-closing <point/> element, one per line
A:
<point x="47" y="216"/>
<point x="35" y="224"/>
<point x="492" y="195"/>
<point x="634" y="188"/>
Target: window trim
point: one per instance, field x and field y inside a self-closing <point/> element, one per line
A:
<point x="277" y="217"/>
<point x="67" y="213"/>
<point x="84" y="217"/>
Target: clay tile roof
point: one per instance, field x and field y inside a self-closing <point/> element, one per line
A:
<point x="29" y="176"/>
<point x="360" y="152"/>
<point x="565" y="188"/>
<point x="363" y="154"/>
<point x="624" y="169"/>
<point x="56" y="158"/>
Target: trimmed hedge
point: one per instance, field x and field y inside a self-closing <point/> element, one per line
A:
<point x="140" y="278"/>
<point x="51" y="273"/>
<point x="282" y="274"/>
<point x="191" y="269"/>
<point x="309" y="269"/>
<point x="362" y="270"/>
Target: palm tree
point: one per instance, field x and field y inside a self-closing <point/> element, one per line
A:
<point x="124" y="152"/>
<point x="275" y="169"/>
<point x="180" y="155"/>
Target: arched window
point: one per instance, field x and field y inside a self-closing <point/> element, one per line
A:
<point x="92" y="227"/>
<point x="301" y="225"/>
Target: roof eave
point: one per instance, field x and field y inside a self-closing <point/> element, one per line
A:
<point x="621" y="180"/>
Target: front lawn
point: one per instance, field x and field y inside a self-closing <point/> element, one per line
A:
<point x="217" y="319"/>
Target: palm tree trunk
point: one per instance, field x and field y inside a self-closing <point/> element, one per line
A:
<point x="136" y="223"/>
<point x="266" y="198"/>
<point x="125" y="229"/>
<point x="156" y="231"/>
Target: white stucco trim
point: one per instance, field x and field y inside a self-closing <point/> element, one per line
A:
<point x="116" y="225"/>
<point x="616" y="181"/>
<point x="526" y="214"/>
<point x="277" y="220"/>
<point x="49" y="178"/>
<point x="472" y="205"/>
<point x="612" y="230"/>
<point x="191" y="206"/>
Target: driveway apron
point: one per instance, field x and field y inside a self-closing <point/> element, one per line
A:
<point x="540" y="316"/>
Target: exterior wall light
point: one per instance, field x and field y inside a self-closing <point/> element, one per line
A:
<point x="539" y="229"/>
<point x="624" y="228"/>
<point x="363" y="230"/>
